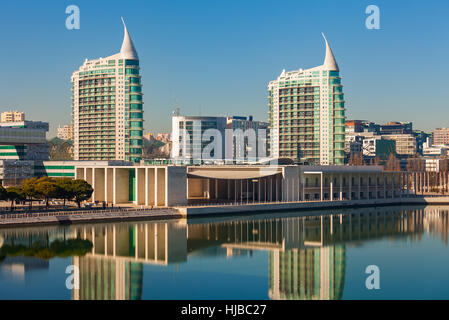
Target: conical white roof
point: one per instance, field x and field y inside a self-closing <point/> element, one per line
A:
<point x="128" y="51"/>
<point x="329" y="61"/>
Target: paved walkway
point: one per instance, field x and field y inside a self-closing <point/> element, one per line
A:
<point x="90" y="216"/>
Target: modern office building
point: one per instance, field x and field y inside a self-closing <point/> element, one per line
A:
<point x="188" y="132"/>
<point x="406" y="145"/>
<point x="24" y="140"/>
<point x="12" y="116"/>
<point x="396" y="127"/>
<point x="441" y="136"/>
<point x="65" y="132"/>
<point x="190" y="137"/>
<point x="107" y="107"/>
<point x="307" y="114"/>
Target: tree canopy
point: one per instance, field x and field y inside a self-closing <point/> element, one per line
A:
<point x="46" y="188"/>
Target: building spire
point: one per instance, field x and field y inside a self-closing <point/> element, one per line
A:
<point x="128" y="51"/>
<point x="329" y="61"/>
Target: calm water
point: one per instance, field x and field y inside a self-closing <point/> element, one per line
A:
<point x="320" y="256"/>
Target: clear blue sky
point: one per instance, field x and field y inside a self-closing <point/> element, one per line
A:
<point x="216" y="57"/>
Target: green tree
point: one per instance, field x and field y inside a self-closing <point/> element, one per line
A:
<point x="47" y="189"/>
<point x="3" y="193"/>
<point x="65" y="190"/>
<point x="13" y="194"/>
<point x="29" y="188"/>
<point x="81" y="191"/>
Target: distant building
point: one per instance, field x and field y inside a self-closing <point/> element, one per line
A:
<point x="435" y="151"/>
<point x="13" y="172"/>
<point x="355" y="126"/>
<point x="396" y="128"/>
<point x="164" y="137"/>
<point x="441" y="136"/>
<point x="24" y="140"/>
<point x="406" y="145"/>
<point x="65" y="132"/>
<point x="421" y="138"/>
<point x="189" y="142"/>
<point x="148" y="136"/>
<point x="352" y="126"/>
<point x="12" y="116"/>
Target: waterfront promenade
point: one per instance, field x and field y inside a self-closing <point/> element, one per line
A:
<point x="185" y="212"/>
<point x="87" y="216"/>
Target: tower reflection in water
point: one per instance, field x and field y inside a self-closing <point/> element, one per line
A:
<point x="113" y="270"/>
<point x="307" y="255"/>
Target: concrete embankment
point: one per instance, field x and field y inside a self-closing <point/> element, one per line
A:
<point x="18" y="220"/>
<point x="201" y="211"/>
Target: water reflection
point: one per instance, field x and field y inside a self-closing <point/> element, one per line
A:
<point x="113" y="270"/>
<point x="307" y="255"/>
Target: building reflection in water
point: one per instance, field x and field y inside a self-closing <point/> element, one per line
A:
<point x="307" y="255"/>
<point x="114" y="268"/>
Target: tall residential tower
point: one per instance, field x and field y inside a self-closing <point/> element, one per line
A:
<point x="107" y="107"/>
<point x="307" y="114"/>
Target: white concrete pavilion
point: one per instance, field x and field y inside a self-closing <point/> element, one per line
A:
<point x="167" y="186"/>
<point x="291" y="183"/>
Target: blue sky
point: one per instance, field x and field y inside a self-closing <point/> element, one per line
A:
<point x="216" y="57"/>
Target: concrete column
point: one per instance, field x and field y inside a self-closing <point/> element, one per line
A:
<point x="331" y="187"/>
<point x="392" y="185"/>
<point x="99" y="184"/>
<point x="151" y="186"/>
<point x="367" y="184"/>
<point x="156" y="187"/>
<point x="350" y="187"/>
<point x="277" y="191"/>
<point x="341" y="186"/>
<point x="92" y="183"/>
<point x="147" y="198"/>
<point x="114" y="187"/>
<point x="235" y="190"/>
<point x="359" y="187"/>
<point x="79" y="173"/>
<point x="376" y="190"/>
<point x="321" y="187"/>
<point x="216" y="188"/>
<point x="303" y="188"/>
<point x="161" y="195"/>
<point x="247" y="190"/>
<point x="299" y="188"/>
<point x="110" y="191"/>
